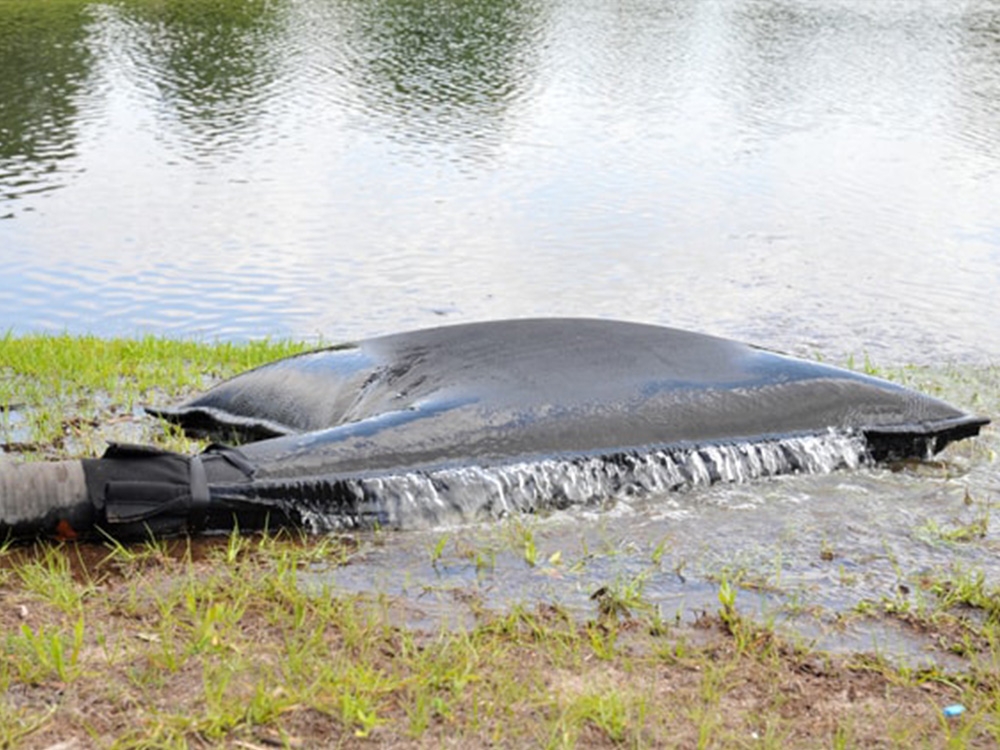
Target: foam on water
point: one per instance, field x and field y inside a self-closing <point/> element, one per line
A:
<point x="420" y="499"/>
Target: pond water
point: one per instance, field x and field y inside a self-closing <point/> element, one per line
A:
<point x="815" y="176"/>
<point x="810" y="175"/>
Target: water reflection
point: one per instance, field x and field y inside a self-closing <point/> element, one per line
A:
<point x="979" y="56"/>
<point x="204" y="71"/>
<point x="807" y="174"/>
<point x="45" y="64"/>
<point x="441" y="71"/>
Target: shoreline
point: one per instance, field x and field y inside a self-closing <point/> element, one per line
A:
<point x="231" y="642"/>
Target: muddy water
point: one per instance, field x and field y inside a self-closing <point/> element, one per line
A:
<point x="820" y="556"/>
<point x="815" y="176"/>
<point x="813" y="555"/>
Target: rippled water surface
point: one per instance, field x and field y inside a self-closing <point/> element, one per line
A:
<point x="816" y="176"/>
<point x="807" y="174"/>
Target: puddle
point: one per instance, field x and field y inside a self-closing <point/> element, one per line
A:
<point x="817" y="556"/>
<point x="820" y="556"/>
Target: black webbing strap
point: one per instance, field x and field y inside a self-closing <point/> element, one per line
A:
<point x="135" y="484"/>
<point x="232" y="456"/>
<point x="200" y="499"/>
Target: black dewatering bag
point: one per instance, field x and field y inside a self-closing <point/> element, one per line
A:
<point x="357" y="430"/>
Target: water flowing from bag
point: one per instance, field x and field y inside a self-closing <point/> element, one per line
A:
<point x="426" y="499"/>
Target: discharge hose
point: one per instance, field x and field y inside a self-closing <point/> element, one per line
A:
<point x="131" y="492"/>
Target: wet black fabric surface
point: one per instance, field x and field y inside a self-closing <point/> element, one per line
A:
<point x="489" y="393"/>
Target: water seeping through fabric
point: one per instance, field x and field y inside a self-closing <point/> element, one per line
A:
<point x="423" y="499"/>
<point x="479" y="421"/>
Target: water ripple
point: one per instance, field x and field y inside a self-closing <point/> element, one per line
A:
<point x="804" y="173"/>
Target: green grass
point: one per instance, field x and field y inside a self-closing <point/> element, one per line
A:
<point x="174" y="644"/>
<point x="231" y="642"/>
<point x="57" y="388"/>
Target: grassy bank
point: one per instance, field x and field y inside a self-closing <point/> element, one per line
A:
<point x="67" y="395"/>
<point x="231" y="642"/>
